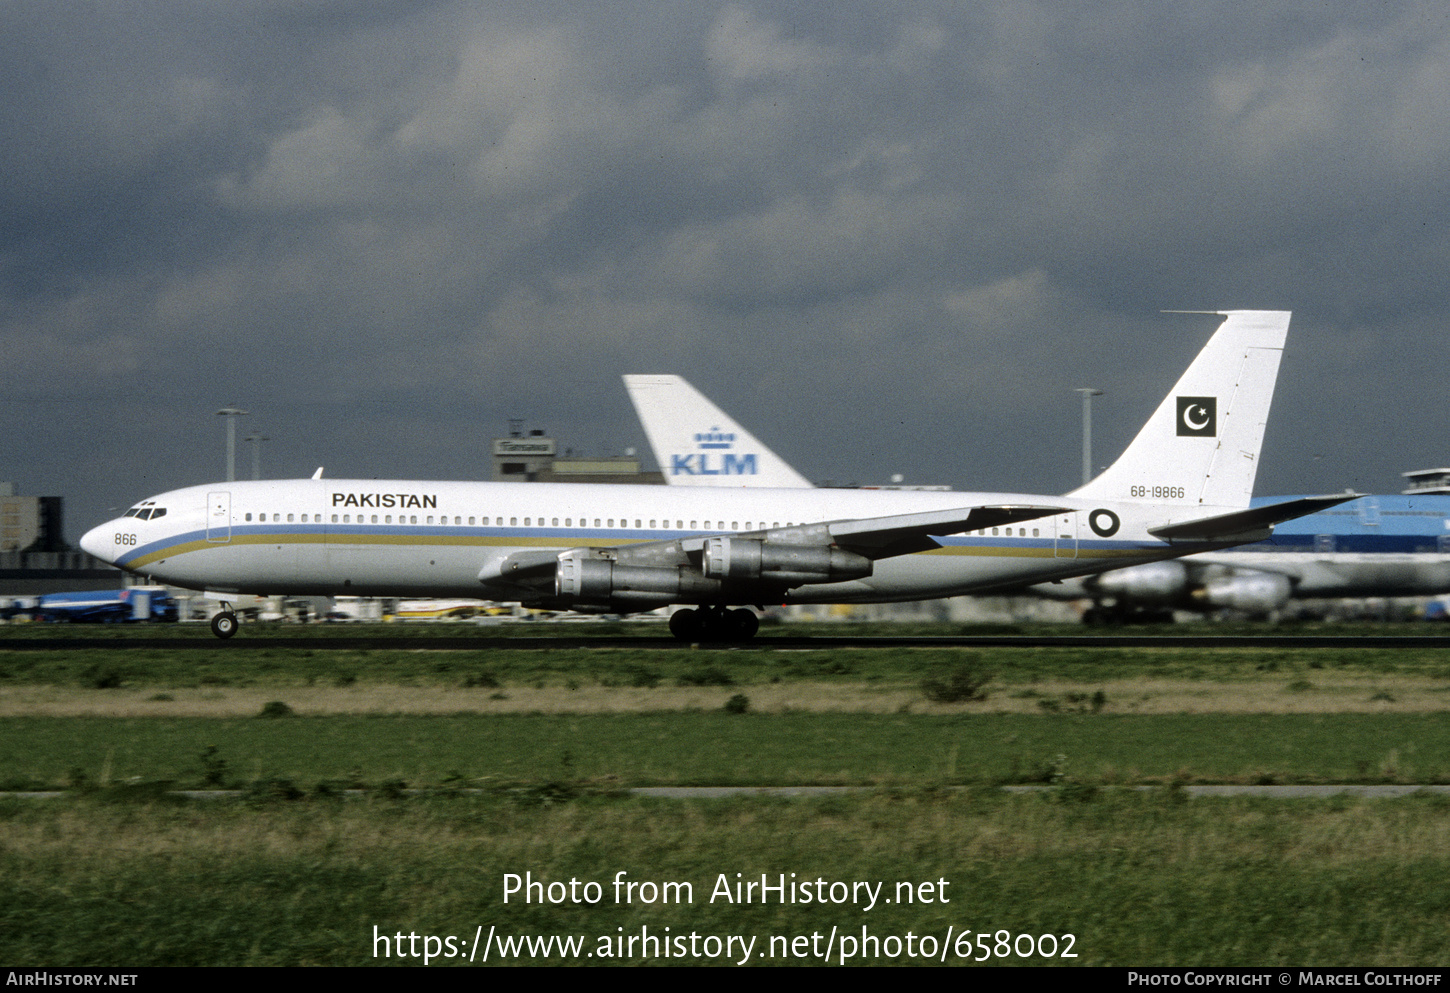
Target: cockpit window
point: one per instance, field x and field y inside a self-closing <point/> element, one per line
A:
<point x="133" y="512"/>
<point x="158" y="512"/>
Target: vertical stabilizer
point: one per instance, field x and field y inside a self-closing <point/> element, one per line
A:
<point x="1201" y="446"/>
<point x="698" y="444"/>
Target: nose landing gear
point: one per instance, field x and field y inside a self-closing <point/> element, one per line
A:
<point x="224" y="623"/>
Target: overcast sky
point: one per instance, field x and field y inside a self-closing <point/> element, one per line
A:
<point x="887" y="237"/>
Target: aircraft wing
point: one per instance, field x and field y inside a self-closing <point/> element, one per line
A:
<point x="870" y="538"/>
<point x="884" y="537"/>
<point x="1253" y="524"/>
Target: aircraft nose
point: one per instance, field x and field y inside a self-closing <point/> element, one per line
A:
<point x="98" y="542"/>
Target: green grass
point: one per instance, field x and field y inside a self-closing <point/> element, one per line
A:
<point x="1135" y="879"/>
<point x="720" y="748"/>
<point x="121" y="873"/>
<point x="219" y="666"/>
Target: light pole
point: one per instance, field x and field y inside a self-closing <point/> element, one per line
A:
<point x="231" y="414"/>
<point x="256" y="440"/>
<point x="1087" y="430"/>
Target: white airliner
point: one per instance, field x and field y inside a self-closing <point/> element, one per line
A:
<point x="1182" y="486"/>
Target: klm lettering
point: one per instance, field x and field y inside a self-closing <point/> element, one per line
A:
<point x="704" y="465"/>
<point x="402" y="501"/>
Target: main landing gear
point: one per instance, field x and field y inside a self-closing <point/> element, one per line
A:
<point x="714" y="624"/>
<point x="224" y="622"/>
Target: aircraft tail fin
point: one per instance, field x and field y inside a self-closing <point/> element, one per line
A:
<point x="698" y="444"/>
<point x="1201" y="446"/>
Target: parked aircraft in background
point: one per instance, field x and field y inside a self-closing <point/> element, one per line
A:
<point x="698" y="444"/>
<point x="1374" y="546"/>
<point x="1181" y="487"/>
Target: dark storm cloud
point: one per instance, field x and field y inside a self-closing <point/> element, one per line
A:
<point x="889" y="238"/>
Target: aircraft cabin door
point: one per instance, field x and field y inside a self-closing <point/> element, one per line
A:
<point x="1064" y="535"/>
<point x="219" y="517"/>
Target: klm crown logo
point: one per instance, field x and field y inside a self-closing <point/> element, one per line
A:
<point x="706" y="463"/>
<point x="715" y="438"/>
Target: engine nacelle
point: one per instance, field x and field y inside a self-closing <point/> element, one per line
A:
<point x="582" y="578"/>
<point x="1253" y="593"/>
<point x="732" y="559"/>
<point x="1158" y="584"/>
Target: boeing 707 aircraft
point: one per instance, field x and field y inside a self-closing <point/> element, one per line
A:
<point x="1182" y="486"/>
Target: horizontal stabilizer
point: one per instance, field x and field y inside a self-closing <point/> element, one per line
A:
<point x="1253" y="524"/>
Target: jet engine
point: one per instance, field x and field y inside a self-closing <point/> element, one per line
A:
<point x="581" y="577"/>
<point x="729" y="558"/>
<point x="1153" y="584"/>
<point x="1251" y="592"/>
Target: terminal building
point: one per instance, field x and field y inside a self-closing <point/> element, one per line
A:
<point x="535" y="458"/>
<point x="34" y="556"/>
<point x="1423" y="481"/>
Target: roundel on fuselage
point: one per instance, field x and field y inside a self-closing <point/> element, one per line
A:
<point x="1104" y="523"/>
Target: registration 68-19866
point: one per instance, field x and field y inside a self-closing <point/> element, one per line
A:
<point x="1158" y="492"/>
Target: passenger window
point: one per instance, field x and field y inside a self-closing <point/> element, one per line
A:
<point x="413" y="519"/>
<point x="611" y="522"/>
<point x="249" y="516"/>
<point x="375" y="518"/>
<point x="289" y="518"/>
<point x="334" y="518"/>
<point x="513" y="522"/>
<point x="346" y="518"/>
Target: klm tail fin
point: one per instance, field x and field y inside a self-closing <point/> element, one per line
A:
<point x="698" y="444"/>
<point x="1201" y="447"/>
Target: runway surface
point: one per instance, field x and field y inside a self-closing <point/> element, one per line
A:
<point x="242" y="643"/>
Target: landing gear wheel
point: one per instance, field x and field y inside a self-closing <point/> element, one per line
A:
<point x="714" y="624"/>
<point x="224" y="624"/>
<point x="686" y="625"/>
<point x="742" y="624"/>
